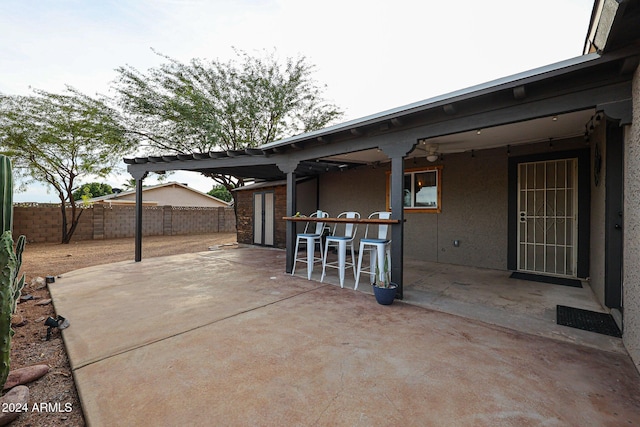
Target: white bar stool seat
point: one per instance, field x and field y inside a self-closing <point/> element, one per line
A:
<point x="340" y="242"/>
<point x="311" y="240"/>
<point x="378" y="248"/>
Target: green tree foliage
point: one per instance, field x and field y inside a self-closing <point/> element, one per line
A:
<point x="91" y="190"/>
<point x="58" y="138"/>
<point x="221" y="192"/>
<point x="206" y="106"/>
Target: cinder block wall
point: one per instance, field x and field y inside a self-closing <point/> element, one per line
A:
<point x="42" y="223"/>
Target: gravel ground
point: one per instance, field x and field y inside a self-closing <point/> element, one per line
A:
<point x="29" y="345"/>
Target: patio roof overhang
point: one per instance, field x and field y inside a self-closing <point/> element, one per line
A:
<point x="584" y="84"/>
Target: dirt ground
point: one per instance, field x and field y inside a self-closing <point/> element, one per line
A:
<point x="29" y="345"/>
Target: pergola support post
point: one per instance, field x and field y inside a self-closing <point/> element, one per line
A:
<point x="139" y="177"/>
<point x="397" y="152"/>
<point x="289" y="167"/>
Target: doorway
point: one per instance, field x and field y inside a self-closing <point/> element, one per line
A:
<point x="264" y="218"/>
<point x="548" y="217"/>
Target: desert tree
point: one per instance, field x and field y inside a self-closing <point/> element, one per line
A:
<point x="211" y="105"/>
<point x="58" y="139"/>
<point x="92" y="190"/>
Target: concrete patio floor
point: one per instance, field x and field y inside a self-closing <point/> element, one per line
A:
<point x="227" y="338"/>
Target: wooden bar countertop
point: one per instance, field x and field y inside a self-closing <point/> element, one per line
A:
<point x="347" y="220"/>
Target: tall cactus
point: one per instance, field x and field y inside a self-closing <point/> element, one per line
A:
<point x="6" y="192"/>
<point x="10" y="288"/>
<point x="10" y="262"/>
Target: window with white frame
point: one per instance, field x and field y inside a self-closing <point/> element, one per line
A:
<point x="422" y="190"/>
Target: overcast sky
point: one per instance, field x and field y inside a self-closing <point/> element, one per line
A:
<point x="372" y="55"/>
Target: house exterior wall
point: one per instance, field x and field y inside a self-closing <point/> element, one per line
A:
<point x="474" y="211"/>
<point x="474" y="204"/>
<point x="361" y="190"/>
<point x="307" y="201"/>
<point x="631" y="261"/>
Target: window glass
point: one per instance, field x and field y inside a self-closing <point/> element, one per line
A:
<point x="426" y="189"/>
<point x="407" y="191"/>
<point x="421" y="190"/>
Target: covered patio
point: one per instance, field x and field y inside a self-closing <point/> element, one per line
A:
<point x="491" y="296"/>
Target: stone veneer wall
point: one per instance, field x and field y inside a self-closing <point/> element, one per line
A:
<point x="42" y="223"/>
<point x="631" y="261"/>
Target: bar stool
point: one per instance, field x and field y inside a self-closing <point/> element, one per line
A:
<point x="311" y="240"/>
<point x="340" y="242"/>
<point x="378" y="248"/>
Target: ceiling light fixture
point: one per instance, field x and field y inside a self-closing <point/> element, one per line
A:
<point x="432" y="154"/>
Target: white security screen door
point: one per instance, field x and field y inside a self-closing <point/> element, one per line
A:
<point x="258" y="223"/>
<point x="264" y="218"/>
<point x="548" y="217"/>
<point x="269" y="219"/>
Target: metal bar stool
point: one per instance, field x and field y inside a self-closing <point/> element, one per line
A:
<point x="311" y="240"/>
<point x="340" y="242"/>
<point x="377" y="248"/>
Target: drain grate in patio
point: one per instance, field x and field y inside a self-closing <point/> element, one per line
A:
<point x="547" y="279"/>
<point x="601" y="323"/>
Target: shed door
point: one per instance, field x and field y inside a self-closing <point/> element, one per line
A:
<point x="264" y="218"/>
<point x="548" y="217"/>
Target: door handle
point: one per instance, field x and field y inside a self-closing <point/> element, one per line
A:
<point x="618" y="227"/>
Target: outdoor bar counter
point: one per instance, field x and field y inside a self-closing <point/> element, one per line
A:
<point x="347" y="220"/>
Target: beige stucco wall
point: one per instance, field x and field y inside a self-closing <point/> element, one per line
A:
<point x="598" y="211"/>
<point x="474" y="212"/>
<point x="306" y="200"/>
<point x="631" y="261"/>
<point x="361" y="190"/>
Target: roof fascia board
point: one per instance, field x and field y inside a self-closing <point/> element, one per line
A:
<point x="229" y="162"/>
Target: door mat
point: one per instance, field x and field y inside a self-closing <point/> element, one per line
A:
<point x="564" y="281"/>
<point x="601" y="323"/>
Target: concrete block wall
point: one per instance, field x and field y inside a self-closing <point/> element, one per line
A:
<point x="197" y="220"/>
<point x="42" y="223"/>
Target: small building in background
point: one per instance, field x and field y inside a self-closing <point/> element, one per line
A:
<point x="167" y="194"/>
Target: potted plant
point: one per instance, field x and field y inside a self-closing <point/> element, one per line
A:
<point x="383" y="289"/>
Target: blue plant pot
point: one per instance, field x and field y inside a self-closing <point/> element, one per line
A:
<point x="385" y="296"/>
